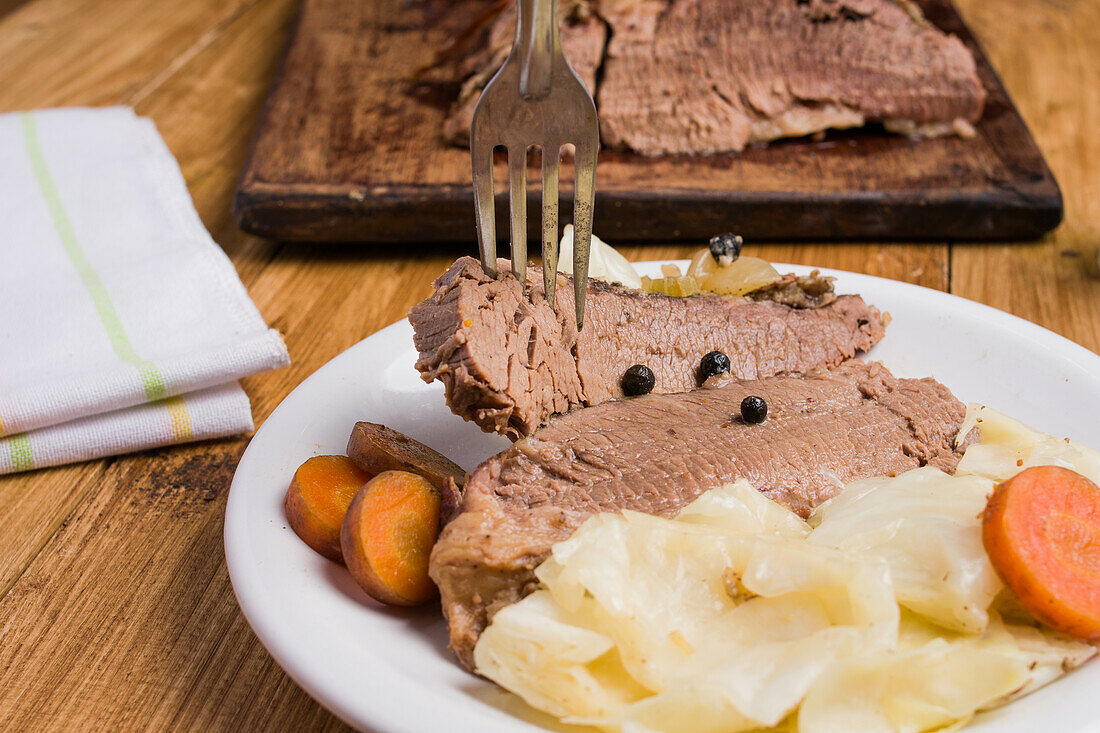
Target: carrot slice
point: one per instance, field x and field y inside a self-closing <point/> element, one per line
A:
<point x="1041" y="529"/>
<point x="319" y="497"/>
<point x="388" y="535"/>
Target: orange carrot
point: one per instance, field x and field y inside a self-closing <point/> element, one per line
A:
<point x="1041" y="529"/>
<point x="388" y="535"/>
<point x="319" y="497"/>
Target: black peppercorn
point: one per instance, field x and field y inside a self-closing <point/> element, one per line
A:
<point x="754" y="409"/>
<point x="638" y="380"/>
<point x="725" y="248"/>
<point x="713" y="363"/>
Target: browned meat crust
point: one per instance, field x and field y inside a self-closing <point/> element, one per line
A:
<point x="657" y="453"/>
<point x="508" y="362"/>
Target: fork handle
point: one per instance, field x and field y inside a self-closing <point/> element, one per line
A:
<point x="536" y="40"/>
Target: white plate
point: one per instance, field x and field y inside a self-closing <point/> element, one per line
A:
<point x="389" y="670"/>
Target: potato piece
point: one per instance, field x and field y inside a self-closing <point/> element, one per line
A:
<point x="376" y="448"/>
<point x="318" y="498"/>
<point x="388" y="534"/>
<point x="680" y="287"/>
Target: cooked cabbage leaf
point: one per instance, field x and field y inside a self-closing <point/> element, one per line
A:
<point x="1007" y="446"/>
<point x="925" y="524"/>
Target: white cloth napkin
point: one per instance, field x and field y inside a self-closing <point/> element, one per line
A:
<point x="118" y="312"/>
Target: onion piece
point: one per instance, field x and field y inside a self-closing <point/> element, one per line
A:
<point x="743" y="275"/>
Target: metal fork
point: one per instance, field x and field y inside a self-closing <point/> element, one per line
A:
<point x="536" y="100"/>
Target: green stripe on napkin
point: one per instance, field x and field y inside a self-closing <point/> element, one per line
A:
<point x="151" y="379"/>
<point x="20" y="449"/>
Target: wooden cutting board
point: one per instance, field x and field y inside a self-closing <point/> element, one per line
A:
<point x="349" y="148"/>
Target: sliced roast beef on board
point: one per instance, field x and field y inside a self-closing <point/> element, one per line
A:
<point x="657" y="453"/>
<point x="583" y="38"/>
<point x="700" y="76"/>
<point x="508" y="361"/>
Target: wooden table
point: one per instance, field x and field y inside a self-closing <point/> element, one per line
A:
<point x="115" y="605"/>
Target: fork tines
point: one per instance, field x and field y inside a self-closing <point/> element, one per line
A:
<point x="536" y="101"/>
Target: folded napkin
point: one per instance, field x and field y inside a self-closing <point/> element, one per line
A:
<point x="119" y="310"/>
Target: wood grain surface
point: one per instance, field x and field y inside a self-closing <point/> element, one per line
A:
<point x="116" y="611"/>
<point x="350" y="148"/>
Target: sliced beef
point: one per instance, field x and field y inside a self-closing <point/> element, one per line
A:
<point x="657" y="453"/>
<point x="509" y="361"/>
<point x="702" y="76"/>
<point x="583" y="36"/>
<point x="699" y="76"/>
